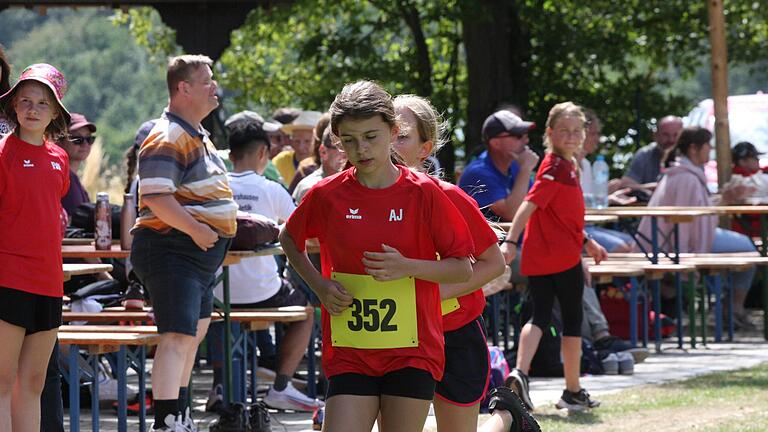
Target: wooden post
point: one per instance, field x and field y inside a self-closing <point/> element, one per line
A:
<point x="720" y="89"/>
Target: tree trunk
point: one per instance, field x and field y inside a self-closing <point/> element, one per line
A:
<point x="497" y="46"/>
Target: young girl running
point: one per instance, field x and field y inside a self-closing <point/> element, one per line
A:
<point x="34" y="176"/>
<point x="551" y="258"/>
<point x="467" y="363"/>
<point x="381" y="228"/>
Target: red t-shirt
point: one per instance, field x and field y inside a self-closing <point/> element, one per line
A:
<point x="555" y="233"/>
<point x="32" y="181"/>
<point x="470" y="305"/>
<point x="349" y="219"/>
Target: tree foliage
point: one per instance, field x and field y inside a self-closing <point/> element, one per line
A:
<point x="626" y="60"/>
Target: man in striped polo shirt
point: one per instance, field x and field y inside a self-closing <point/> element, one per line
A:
<point x="186" y="220"/>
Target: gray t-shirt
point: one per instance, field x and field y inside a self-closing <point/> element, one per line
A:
<point x="646" y="165"/>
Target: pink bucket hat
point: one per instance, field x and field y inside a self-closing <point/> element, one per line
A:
<point x="44" y="74"/>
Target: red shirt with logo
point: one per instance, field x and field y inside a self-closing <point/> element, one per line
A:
<point x="555" y="233"/>
<point x="412" y="216"/>
<point x="32" y="181"/>
<point x="470" y="305"/>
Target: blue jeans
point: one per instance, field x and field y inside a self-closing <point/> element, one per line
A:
<point x="731" y="241"/>
<point x="608" y="238"/>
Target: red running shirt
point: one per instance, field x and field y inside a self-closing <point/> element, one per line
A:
<point x="470" y="305"/>
<point x="32" y="181"/>
<point x="555" y="233"/>
<point x="349" y="219"/>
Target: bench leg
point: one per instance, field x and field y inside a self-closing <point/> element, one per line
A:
<point x="691" y="289"/>
<point x="95" y="392"/>
<point x="312" y="361"/>
<point x="656" y="284"/>
<point x="703" y="310"/>
<point x="74" y="389"/>
<point x="679" y="309"/>
<point x="142" y="375"/>
<point x="729" y="288"/>
<point x="644" y="319"/>
<point x="254" y="367"/>
<point x="633" y="311"/>
<point x="718" y="293"/>
<point x="122" y="383"/>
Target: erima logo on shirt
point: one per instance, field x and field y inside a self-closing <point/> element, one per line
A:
<point x="353" y="214"/>
<point x="28" y="163"/>
<point x="56" y="166"/>
<point x="394" y="216"/>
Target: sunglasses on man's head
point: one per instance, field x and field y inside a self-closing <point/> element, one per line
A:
<point x="77" y="140"/>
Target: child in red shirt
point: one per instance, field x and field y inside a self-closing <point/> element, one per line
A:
<point x="553" y="217"/>
<point x="467" y="362"/>
<point x="381" y="229"/>
<point x="34" y="175"/>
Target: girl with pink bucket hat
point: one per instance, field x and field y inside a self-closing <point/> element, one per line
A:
<point x="34" y="176"/>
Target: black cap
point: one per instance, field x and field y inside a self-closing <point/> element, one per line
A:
<point x="744" y="150"/>
<point x="505" y="121"/>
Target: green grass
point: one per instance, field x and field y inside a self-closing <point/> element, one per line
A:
<point x="729" y="401"/>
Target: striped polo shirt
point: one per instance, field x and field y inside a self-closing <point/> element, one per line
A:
<point x="177" y="159"/>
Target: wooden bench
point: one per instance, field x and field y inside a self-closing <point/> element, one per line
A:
<point x="95" y="344"/>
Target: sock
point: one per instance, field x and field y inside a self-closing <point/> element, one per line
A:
<point x="184" y="400"/>
<point x="163" y="408"/>
<point x="281" y="382"/>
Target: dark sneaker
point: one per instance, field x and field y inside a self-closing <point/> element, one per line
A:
<point x="578" y="401"/>
<point x="133" y="299"/>
<point x="258" y="418"/>
<point x="503" y="398"/>
<point x="518" y="382"/>
<point x="234" y="418"/>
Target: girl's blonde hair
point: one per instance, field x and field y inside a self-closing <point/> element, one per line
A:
<point x="565" y="109"/>
<point x="429" y="123"/>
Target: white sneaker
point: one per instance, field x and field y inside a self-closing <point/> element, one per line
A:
<point x="186" y="423"/>
<point x="171" y="424"/>
<point x="626" y="363"/>
<point x="291" y="399"/>
<point x="108" y="389"/>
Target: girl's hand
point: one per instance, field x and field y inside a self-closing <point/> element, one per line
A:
<point x="388" y="265"/>
<point x="333" y="296"/>
<point x="596" y="251"/>
<point x="509" y="251"/>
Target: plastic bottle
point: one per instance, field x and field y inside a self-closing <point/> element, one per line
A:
<point x="103" y="219"/>
<point x="600" y="174"/>
<point x="127" y="219"/>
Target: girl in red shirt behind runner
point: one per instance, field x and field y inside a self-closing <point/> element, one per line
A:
<point x="34" y="175"/>
<point x="467" y="363"/>
<point x="553" y="217"/>
<point x="381" y="228"/>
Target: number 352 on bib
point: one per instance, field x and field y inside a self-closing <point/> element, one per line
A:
<point x="382" y="314"/>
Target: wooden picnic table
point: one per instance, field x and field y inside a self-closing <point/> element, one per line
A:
<point x="83" y="269"/>
<point x="589" y="219"/>
<point x="89" y="251"/>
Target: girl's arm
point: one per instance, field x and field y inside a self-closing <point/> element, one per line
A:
<point x="489" y="266"/>
<point x="594" y="249"/>
<point x="331" y="293"/>
<point x="509" y="247"/>
<point x="391" y="265"/>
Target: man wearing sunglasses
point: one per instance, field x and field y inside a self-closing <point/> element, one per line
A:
<point x="77" y="144"/>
